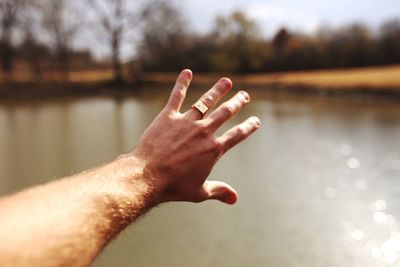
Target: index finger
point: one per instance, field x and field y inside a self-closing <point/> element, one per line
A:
<point x="179" y="91"/>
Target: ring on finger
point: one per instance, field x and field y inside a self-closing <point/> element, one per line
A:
<point x="201" y="107"/>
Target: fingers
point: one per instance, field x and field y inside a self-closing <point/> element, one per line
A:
<point x="238" y="133"/>
<point x="212" y="97"/>
<point x="179" y="91"/>
<point x="227" y="110"/>
<point x="220" y="191"/>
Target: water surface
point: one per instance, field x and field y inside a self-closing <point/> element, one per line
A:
<point x="319" y="184"/>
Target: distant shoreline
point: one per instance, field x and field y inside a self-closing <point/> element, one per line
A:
<point x="373" y="82"/>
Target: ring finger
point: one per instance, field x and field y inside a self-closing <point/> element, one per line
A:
<point x="211" y="98"/>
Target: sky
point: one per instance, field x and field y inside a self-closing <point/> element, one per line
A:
<point x="300" y="15"/>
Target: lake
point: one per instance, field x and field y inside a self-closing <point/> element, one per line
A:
<point x="319" y="184"/>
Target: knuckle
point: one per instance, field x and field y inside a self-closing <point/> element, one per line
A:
<point x="241" y="130"/>
<point x="182" y="81"/>
<point x="197" y="196"/>
<point x="179" y="93"/>
<point x="218" y="147"/>
<point x="228" y="108"/>
<point x="204" y="130"/>
<point x="207" y="100"/>
<point x="171" y="116"/>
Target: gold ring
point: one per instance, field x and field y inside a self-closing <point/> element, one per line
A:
<point x="201" y="107"/>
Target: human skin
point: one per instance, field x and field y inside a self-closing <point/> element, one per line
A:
<point x="69" y="221"/>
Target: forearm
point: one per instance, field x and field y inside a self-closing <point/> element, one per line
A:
<point x="69" y="221"/>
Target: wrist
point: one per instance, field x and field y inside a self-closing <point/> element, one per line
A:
<point x="137" y="181"/>
<point x="121" y="192"/>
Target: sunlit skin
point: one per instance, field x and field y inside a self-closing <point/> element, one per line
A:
<point x="69" y="221"/>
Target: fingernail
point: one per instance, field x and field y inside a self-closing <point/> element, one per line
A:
<point x="256" y="121"/>
<point x="188" y="73"/>
<point x="245" y="96"/>
<point x="231" y="199"/>
<point x="226" y="82"/>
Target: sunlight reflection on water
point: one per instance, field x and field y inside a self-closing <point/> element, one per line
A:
<point x="318" y="173"/>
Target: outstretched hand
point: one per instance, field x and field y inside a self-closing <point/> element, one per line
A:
<point x="76" y="217"/>
<point x="180" y="149"/>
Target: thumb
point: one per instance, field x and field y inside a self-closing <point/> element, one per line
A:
<point x="220" y="191"/>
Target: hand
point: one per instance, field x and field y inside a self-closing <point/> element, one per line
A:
<point x="180" y="149"/>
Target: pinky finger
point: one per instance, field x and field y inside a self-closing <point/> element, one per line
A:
<point x="238" y="133"/>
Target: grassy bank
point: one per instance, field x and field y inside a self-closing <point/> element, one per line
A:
<point x="374" y="80"/>
<point x="387" y="77"/>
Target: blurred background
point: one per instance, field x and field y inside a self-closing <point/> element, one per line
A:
<point x="318" y="184"/>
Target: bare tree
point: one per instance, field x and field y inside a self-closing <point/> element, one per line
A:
<point x="115" y="20"/>
<point x="164" y="38"/>
<point x="34" y="53"/>
<point x="31" y="48"/>
<point x="62" y="24"/>
<point x="390" y="41"/>
<point x="9" y="18"/>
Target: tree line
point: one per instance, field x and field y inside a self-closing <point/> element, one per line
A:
<point x="236" y="45"/>
<point x="41" y="34"/>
